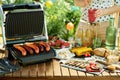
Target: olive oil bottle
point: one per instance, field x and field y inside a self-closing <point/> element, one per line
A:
<point x="110" y="35"/>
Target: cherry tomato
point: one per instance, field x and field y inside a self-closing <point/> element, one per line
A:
<point x="85" y="55"/>
<point x="88" y="54"/>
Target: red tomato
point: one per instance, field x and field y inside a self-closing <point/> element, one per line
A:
<point x="88" y="54"/>
<point x="52" y="43"/>
<point x="85" y="55"/>
<point x="66" y="44"/>
<point x="57" y="43"/>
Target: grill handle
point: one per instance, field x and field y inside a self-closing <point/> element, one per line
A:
<point x="8" y="7"/>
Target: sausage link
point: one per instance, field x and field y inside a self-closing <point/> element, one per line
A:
<point x="28" y="49"/>
<point x="47" y="47"/>
<point x="21" y="49"/>
<point x="41" y="48"/>
<point x="34" y="47"/>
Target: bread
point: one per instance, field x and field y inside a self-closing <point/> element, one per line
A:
<point x="111" y="67"/>
<point x="112" y="59"/>
<point x="103" y="52"/>
<point x="99" y="52"/>
<point x="117" y="66"/>
<point x="107" y="53"/>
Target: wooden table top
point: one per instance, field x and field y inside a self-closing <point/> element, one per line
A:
<point x="52" y="68"/>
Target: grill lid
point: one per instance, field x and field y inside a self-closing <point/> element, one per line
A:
<point x="24" y="24"/>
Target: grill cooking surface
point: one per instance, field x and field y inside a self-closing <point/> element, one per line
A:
<point x="24" y="24"/>
<point x="16" y="53"/>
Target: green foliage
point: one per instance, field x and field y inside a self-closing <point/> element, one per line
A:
<point x="70" y="1"/>
<point x="23" y="1"/>
<point x="62" y="12"/>
<point x="55" y="18"/>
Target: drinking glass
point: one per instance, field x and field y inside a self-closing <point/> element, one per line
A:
<point x="91" y="15"/>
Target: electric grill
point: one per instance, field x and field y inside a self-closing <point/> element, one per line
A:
<point x="22" y="26"/>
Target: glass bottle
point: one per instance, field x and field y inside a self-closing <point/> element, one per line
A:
<point x="97" y="42"/>
<point x="88" y="36"/>
<point x="110" y="35"/>
<point x="79" y="37"/>
<point x="118" y="40"/>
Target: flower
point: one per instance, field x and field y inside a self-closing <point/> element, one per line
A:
<point x="70" y="29"/>
<point x="70" y="26"/>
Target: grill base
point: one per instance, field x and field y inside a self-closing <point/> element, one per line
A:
<point x="31" y="59"/>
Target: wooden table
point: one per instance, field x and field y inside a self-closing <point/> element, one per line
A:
<point x="52" y="69"/>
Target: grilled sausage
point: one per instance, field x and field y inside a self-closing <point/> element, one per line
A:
<point x="34" y="47"/>
<point x="41" y="48"/>
<point x="47" y="47"/>
<point x="29" y="50"/>
<point x="21" y="49"/>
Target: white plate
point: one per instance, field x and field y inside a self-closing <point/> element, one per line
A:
<point x="64" y="53"/>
